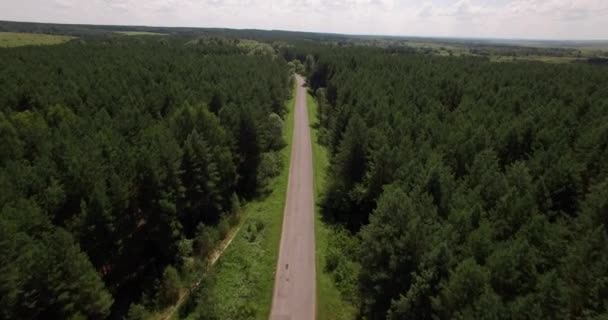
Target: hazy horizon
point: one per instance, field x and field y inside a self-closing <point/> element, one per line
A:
<point x="580" y="20"/>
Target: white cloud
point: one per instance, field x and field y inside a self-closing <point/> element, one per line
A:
<point x="577" y="19"/>
<point x="561" y="9"/>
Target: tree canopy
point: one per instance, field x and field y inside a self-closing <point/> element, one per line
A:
<point x="472" y="189"/>
<point x="113" y="152"/>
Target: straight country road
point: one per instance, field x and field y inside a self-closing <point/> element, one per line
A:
<point x="295" y="277"/>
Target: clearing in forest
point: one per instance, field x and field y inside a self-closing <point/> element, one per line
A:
<point x="17" y="39"/>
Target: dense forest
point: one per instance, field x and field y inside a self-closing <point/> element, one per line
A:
<point x="463" y="188"/>
<point x="122" y="162"/>
<point x="458" y="187"/>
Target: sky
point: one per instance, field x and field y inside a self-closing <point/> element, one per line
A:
<point x="519" y="19"/>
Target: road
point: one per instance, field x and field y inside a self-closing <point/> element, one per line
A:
<point x="295" y="279"/>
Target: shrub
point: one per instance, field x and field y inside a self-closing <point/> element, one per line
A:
<point x="234" y="219"/>
<point x="184" y="247"/>
<point x="271" y="165"/>
<point x="259" y="225"/>
<point x="206" y="239"/>
<point x="235" y="204"/>
<point x="224" y="228"/>
<point x="170" y="286"/>
<point x="137" y="312"/>
<point x="246" y="311"/>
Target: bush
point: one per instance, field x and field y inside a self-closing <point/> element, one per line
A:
<point x="271" y="165"/>
<point x="224" y="228"/>
<point x="276" y="141"/>
<point x="170" y="286"/>
<point x="206" y="240"/>
<point x="332" y="260"/>
<point x="235" y="204"/>
<point x="184" y="247"/>
<point x="259" y="225"/>
<point x="346" y="277"/>
<point x="201" y="303"/>
<point x="298" y="66"/>
<point x="137" y="312"/>
<point x="341" y="263"/>
<point x="246" y="311"/>
<point x="251" y="236"/>
<point x="234" y="219"/>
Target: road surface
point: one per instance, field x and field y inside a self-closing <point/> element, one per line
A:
<point x="295" y="280"/>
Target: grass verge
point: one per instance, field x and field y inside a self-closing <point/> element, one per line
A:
<point x="330" y="304"/>
<point x="244" y="276"/>
<point x="17" y="39"/>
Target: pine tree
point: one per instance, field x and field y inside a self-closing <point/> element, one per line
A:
<point x="200" y="179"/>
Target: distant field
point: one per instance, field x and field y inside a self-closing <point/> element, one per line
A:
<point x="140" y="33"/>
<point x="547" y="59"/>
<point x="14" y="39"/>
<point x="572" y="44"/>
<point x="510" y="52"/>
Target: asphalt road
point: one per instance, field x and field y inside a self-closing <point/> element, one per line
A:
<point x="295" y="280"/>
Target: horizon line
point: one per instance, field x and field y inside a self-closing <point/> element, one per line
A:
<point x="439" y="37"/>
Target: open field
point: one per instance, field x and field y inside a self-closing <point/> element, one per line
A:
<point x="497" y="50"/>
<point x="16" y="39"/>
<point x="547" y="59"/>
<point x="510" y="51"/>
<point x="140" y="33"/>
<point x="254" y="41"/>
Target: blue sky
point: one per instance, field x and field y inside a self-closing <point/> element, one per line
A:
<point x="528" y="19"/>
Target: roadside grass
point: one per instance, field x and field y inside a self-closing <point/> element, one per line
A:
<point x="330" y="304"/>
<point x="244" y="275"/>
<point x="195" y="278"/>
<point x="17" y="39"/>
<point x="140" y="33"/>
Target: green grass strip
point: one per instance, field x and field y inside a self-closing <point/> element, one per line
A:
<point x="244" y="275"/>
<point x="330" y="304"/>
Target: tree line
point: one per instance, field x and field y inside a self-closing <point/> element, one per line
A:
<point x="123" y="162"/>
<point x="463" y="188"/>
